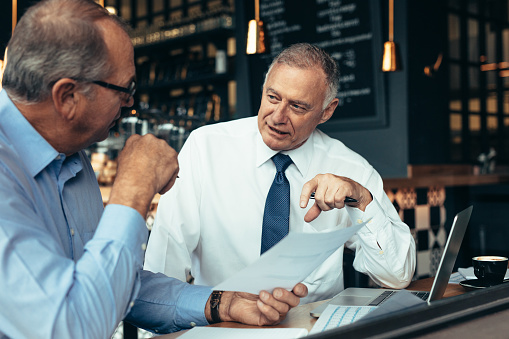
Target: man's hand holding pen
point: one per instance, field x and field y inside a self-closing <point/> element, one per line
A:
<point x="332" y="191"/>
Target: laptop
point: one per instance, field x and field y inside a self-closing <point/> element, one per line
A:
<point x="354" y="296"/>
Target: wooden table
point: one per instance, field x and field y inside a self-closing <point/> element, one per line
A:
<point x="299" y="316"/>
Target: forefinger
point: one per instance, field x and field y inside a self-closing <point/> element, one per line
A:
<point x="308" y="188"/>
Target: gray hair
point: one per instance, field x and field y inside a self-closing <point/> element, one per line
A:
<point x="56" y="39"/>
<point x="304" y="55"/>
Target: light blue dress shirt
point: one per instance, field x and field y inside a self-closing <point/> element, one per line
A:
<point x="68" y="267"/>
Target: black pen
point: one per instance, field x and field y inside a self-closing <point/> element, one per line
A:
<point x="347" y="199"/>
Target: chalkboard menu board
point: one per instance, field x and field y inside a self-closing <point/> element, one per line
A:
<point x="350" y="31"/>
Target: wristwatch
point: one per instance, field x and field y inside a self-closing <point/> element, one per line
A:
<point x="215" y="300"/>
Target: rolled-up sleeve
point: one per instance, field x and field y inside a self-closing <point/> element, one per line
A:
<point x="384" y="248"/>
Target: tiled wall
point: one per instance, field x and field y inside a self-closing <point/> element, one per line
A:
<point x="422" y="209"/>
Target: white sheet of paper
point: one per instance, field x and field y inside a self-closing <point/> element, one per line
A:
<point x="288" y="262"/>
<point x="456" y="278"/>
<point x="244" y="333"/>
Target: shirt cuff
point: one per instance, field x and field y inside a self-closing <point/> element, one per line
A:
<point x="124" y="224"/>
<point x="373" y="211"/>
<point x="191" y="306"/>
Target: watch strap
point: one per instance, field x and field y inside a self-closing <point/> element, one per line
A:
<point x="215" y="301"/>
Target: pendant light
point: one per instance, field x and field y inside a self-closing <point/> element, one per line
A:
<point x="391" y="60"/>
<point x="255" y="33"/>
<point x="14" y="13"/>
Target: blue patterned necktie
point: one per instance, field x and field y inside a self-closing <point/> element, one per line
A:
<point x="277" y="206"/>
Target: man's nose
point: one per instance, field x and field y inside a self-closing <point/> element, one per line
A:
<point x="128" y="102"/>
<point x="280" y="114"/>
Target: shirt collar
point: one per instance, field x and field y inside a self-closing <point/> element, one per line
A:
<point x="36" y="153"/>
<point x="301" y="156"/>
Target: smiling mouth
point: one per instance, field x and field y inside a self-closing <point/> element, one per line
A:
<point x="277" y="131"/>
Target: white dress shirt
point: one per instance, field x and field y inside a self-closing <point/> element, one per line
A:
<point x="210" y="223"/>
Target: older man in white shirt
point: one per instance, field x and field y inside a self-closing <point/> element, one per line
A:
<point x="210" y="224"/>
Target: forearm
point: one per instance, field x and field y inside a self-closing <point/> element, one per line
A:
<point x="166" y="304"/>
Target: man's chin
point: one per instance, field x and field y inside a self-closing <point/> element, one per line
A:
<point x="103" y="136"/>
<point x="280" y="145"/>
<point x="275" y="145"/>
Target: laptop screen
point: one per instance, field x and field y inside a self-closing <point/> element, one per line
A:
<point x="451" y="249"/>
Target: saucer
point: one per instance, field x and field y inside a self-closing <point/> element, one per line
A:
<point x="477" y="284"/>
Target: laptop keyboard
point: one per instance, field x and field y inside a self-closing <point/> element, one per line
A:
<point x="386" y="294"/>
<point x="423" y="295"/>
<point x="381" y="298"/>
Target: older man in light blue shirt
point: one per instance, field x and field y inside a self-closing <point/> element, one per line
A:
<point x="68" y="267"/>
<point x="54" y="259"/>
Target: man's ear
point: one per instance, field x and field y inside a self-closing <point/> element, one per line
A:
<point x="65" y="97"/>
<point x="329" y="110"/>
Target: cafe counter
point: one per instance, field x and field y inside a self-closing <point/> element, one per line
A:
<point x="423" y="176"/>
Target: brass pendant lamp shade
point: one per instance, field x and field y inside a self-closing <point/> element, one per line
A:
<point x="256" y="34"/>
<point x="391" y="60"/>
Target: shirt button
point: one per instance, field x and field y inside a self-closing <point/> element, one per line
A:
<point x="359" y="221"/>
<point x="72" y="231"/>
<point x="381" y="252"/>
<point x="193" y="324"/>
<point x="143" y="247"/>
<point x="131" y="304"/>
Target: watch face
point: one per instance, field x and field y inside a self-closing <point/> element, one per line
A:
<point x="215" y="300"/>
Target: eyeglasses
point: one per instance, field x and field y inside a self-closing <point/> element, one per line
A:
<point x="129" y="90"/>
